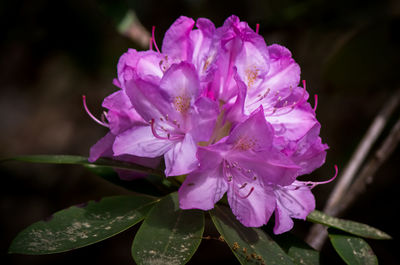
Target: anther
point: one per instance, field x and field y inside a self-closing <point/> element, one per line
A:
<point x="243" y="186"/>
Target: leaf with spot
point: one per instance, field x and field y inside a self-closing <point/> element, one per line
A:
<point x="300" y="252"/>
<point x="353" y="250"/>
<point x="351" y="227"/>
<point x="82" y="225"/>
<point x="168" y="235"/>
<point x="250" y="245"/>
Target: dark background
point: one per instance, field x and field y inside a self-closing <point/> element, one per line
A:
<point x="52" y="52"/>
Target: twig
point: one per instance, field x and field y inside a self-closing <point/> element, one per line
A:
<point x="368" y="171"/>
<point x="360" y="153"/>
<point x="318" y="234"/>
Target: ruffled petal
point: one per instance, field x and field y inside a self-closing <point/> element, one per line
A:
<point x="146" y="64"/>
<point x="310" y="153"/>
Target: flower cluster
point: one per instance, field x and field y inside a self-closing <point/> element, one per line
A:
<point x="224" y="109"/>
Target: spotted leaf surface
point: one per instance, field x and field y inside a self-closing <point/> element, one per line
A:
<point x="82" y="225"/>
<point x="353" y="250"/>
<point x="351" y="227"/>
<point x="250" y="245"/>
<point x="169" y="235"/>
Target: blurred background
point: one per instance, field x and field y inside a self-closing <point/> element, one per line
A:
<point x="53" y="52"/>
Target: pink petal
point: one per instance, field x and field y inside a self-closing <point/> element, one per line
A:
<point x="148" y="100"/>
<point x="177" y="42"/>
<point x="310" y="152"/>
<point x="181" y="80"/>
<point x="202" y="39"/>
<point x="293" y="123"/>
<point x="253" y="134"/>
<point x="146" y="64"/>
<point x="282" y="77"/>
<point x="181" y="159"/>
<point x="254" y="210"/>
<point x="140" y="141"/>
<point x="102" y="148"/>
<point x="293" y="201"/>
<point x="202" y="189"/>
<point x="204" y="120"/>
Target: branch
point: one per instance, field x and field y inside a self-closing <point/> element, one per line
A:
<point x="336" y="204"/>
<point x="368" y="171"/>
<point x="360" y="153"/>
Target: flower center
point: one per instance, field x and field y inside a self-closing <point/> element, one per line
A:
<point x="182" y="103"/>
<point x="251" y="75"/>
<point x="244" y="143"/>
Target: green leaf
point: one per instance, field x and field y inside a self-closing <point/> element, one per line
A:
<point x="299" y="251"/>
<point x="82" y="225"/>
<point x="168" y="235"/>
<point x="353" y="250"/>
<point x="250" y="245"/>
<point x="351" y="227"/>
<point x="81" y="160"/>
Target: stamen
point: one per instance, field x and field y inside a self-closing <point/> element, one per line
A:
<point x="257" y="28"/>
<point x="102" y="123"/>
<point x="312" y="184"/>
<point x="289" y="107"/>
<point x="245" y="197"/>
<point x="153" y="29"/>
<point x="153" y="130"/>
<point x="315" y="102"/>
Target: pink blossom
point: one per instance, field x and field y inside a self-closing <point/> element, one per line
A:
<point x="225" y="109"/>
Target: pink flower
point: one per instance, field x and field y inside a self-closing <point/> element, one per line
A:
<point x="224" y="109"/>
